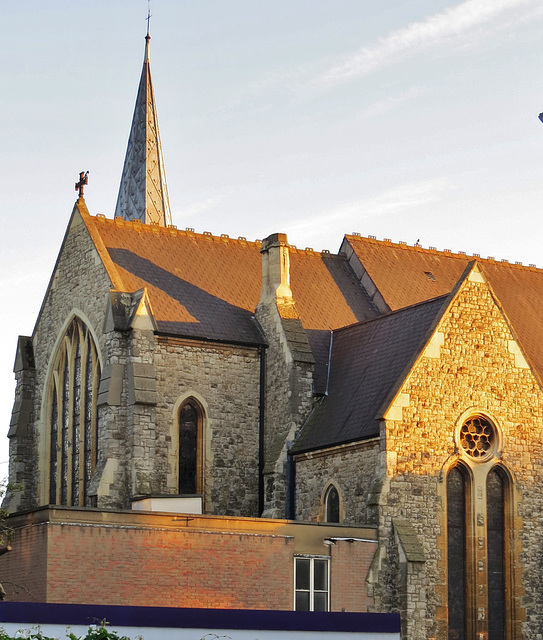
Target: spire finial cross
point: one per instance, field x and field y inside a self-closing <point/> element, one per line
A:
<point x="148" y="16"/>
<point x="83" y="180"/>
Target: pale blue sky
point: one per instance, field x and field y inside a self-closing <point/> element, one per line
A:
<point x="405" y="119"/>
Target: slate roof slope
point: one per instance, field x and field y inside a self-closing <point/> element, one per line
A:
<point x="400" y="272"/>
<point x="204" y="286"/>
<point x="367" y="361"/>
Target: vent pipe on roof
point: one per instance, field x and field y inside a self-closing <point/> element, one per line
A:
<point x="329" y="361"/>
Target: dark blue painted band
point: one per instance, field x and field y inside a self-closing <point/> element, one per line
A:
<point x="82" y="614"/>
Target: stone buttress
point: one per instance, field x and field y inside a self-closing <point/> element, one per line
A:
<point x="289" y="372"/>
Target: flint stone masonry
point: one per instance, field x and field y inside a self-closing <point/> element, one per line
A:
<point x="289" y="399"/>
<point x="21" y="420"/>
<point x="109" y="481"/>
<point x="289" y="373"/>
<point x="225" y="380"/>
<point x="79" y="285"/>
<point x="475" y="372"/>
<point x="351" y="468"/>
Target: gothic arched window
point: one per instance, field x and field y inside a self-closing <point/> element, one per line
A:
<point x="72" y="417"/>
<point x="190" y="448"/>
<point x="495" y="501"/>
<point x="331" y="504"/>
<point x="457" y="485"/>
<point x="477" y="523"/>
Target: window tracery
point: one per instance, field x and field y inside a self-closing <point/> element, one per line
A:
<point x="72" y="417"/>
<point x="477" y="437"/>
<point x="477" y="523"/>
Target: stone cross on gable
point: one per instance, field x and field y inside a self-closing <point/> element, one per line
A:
<point x="83" y="180"/>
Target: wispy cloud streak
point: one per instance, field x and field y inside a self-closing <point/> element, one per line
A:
<point x="418" y="36"/>
<point x="404" y="198"/>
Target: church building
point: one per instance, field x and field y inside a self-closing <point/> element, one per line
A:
<point x="202" y="420"/>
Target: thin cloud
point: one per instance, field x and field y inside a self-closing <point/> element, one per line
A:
<point x="403" y="198"/>
<point x="199" y="207"/>
<point x="418" y="36"/>
<point x="391" y="103"/>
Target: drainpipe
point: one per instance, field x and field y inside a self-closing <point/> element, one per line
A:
<point x="261" y="415"/>
<point x="329" y="361"/>
<point x="290" y="498"/>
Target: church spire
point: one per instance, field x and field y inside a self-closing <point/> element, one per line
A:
<point x="143" y="194"/>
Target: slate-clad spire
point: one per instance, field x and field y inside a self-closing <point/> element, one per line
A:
<point x="143" y="194"/>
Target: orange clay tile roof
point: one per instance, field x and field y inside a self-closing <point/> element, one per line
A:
<point x="204" y="286"/>
<point x="407" y="275"/>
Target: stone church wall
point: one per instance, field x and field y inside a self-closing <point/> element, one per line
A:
<point x="351" y="468"/>
<point x="477" y="368"/>
<point x="225" y="380"/>
<point x="79" y="284"/>
<point x="288" y="402"/>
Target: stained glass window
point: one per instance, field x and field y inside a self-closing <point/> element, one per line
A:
<point x="76" y="420"/>
<point x="72" y="417"/>
<point x="53" y="453"/>
<point x="495" y="500"/>
<point x="332" y="504"/>
<point x="477" y="536"/>
<point x="189" y="447"/>
<point x="456" y="542"/>
<point x="477" y="437"/>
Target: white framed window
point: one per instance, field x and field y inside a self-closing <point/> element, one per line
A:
<point x="311" y="583"/>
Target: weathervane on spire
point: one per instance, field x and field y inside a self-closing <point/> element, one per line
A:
<point x="143" y="193"/>
<point x="83" y="180"/>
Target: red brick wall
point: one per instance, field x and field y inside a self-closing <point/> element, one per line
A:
<point x="23" y="570"/>
<point x="170" y="568"/>
<point x="350" y="564"/>
<point x="83" y="556"/>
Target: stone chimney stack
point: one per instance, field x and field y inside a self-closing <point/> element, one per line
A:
<point x="289" y="373"/>
<point x="275" y="269"/>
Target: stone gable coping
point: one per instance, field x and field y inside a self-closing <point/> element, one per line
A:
<point x="127" y="311"/>
<point x="472" y="274"/>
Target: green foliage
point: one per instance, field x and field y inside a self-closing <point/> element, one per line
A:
<point x="5" y="531"/>
<point x="25" y="633"/>
<point x="97" y="632"/>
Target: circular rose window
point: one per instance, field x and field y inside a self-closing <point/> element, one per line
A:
<point x="477" y="437"/>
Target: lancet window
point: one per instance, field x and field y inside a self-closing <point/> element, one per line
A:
<point x="190" y="448"/>
<point x="478" y="521"/>
<point x="72" y="417"/>
<point x="331" y="504"/>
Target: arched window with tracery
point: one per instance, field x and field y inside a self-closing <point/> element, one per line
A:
<point x="496" y="506"/>
<point x="478" y="506"/>
<point x="73" y="390"/>
<point x="457" y="490"/>
<point x="331" y="504"/>
<point x="190" y="448"/>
